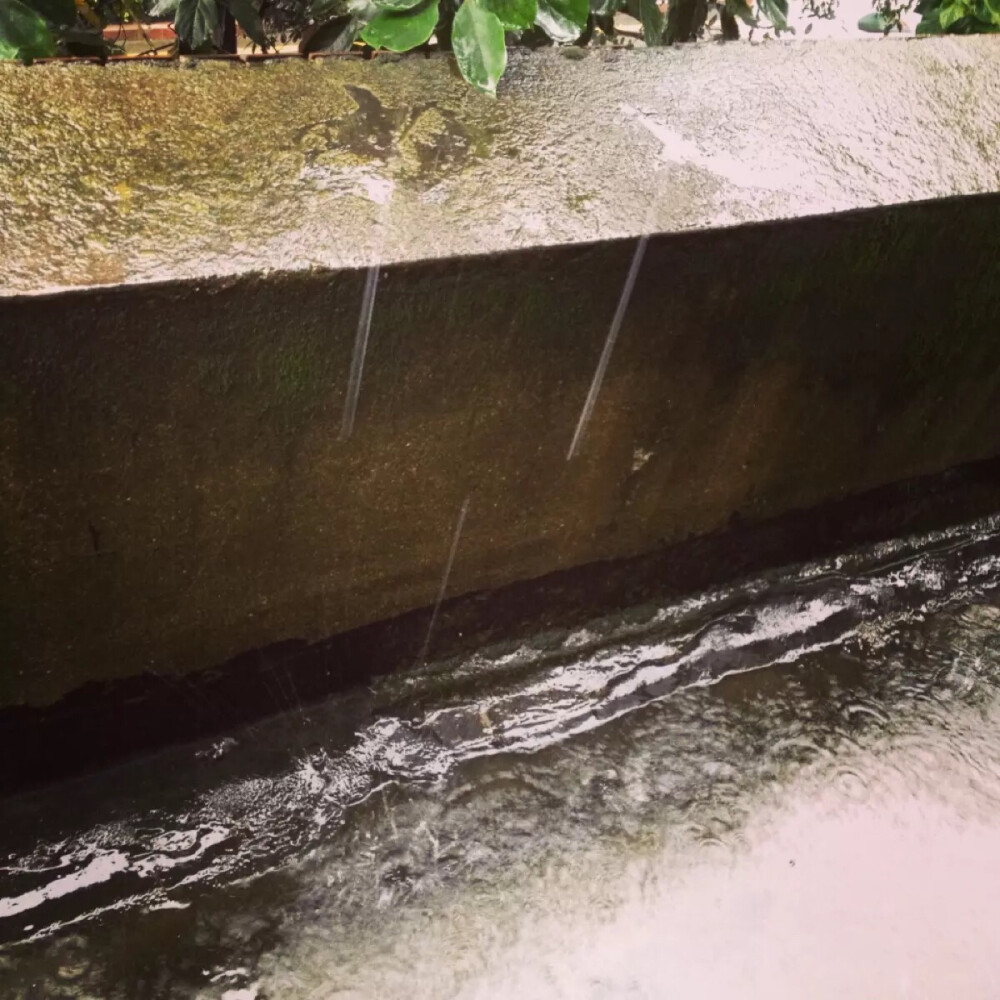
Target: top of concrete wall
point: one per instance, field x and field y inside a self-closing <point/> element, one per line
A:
<point x="143" y="173"/>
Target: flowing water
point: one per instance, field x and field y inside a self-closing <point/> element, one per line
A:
<point x="786" y="788"/>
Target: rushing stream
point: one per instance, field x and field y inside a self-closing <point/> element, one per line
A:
<point x="785" y="788"/>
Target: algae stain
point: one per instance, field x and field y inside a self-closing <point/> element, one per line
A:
<point x="296" y="378"/>
<point x="580" y="202"/>
<point x="290" y="380"/>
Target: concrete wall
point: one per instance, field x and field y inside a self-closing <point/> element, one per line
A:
<point x="174" y="489"/>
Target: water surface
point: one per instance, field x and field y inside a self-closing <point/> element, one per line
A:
<point x="785" y="788"/>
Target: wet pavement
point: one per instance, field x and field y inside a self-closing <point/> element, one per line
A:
<point x="785" y="788"/>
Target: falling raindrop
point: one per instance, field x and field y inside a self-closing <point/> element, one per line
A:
<point x="609" y="344"/>
<point x="444" y="580"/>
<point x="360" y="349"/>
<point x="367" y="307"/>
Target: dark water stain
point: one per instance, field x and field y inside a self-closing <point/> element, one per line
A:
<point x="418" y="144"/>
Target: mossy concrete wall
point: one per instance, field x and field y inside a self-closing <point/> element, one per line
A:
<point x="173" y="487"/>
<point x="174" y="490"/>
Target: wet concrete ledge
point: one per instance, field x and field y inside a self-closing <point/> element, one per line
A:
<point x="131" y="174"/>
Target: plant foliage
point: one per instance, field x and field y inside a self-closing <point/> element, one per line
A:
<point x="958" y="17"/>
<point x="478" y="32"/>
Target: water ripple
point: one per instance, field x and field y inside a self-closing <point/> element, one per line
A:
<point x="153" y="833"/>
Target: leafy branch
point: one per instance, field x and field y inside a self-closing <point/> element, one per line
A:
<point x="478" y="32"/>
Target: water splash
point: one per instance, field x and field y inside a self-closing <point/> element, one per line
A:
<point x="146" y="836"/>
<point x="449" y="854"/>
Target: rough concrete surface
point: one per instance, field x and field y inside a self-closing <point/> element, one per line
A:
<point x="174" y="490"/>
<point x="173" y="487"/>
<point x="140" y="173"/>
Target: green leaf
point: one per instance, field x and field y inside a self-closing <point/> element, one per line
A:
<point x="164" y="8"/>
<point x="605" y="8"/>
<point x="344" y="21"/>
<point x="874" y="23"/>
<point x="563" y="20"/>
<point x="400" y="31"/>
<point x="652" y="22"/>
<point x="337" y="35"/>
<point x="776" y="11"/>
<point x="514" y="15"/>
<point x="196" y="20"/>
<point x="478" y="43"/>
<point x="929" y="24"/>
<point x="248" y="19"/>
<point x="324" y="10"/>
<point x="397" y="4"/>
<point x="947" y="16"/>
<point x="993" y="8"/>
<point x="59" y="13"/>
<point x="23" y="34"/>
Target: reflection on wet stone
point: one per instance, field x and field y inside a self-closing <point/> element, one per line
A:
<point x="373" y="147"/>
